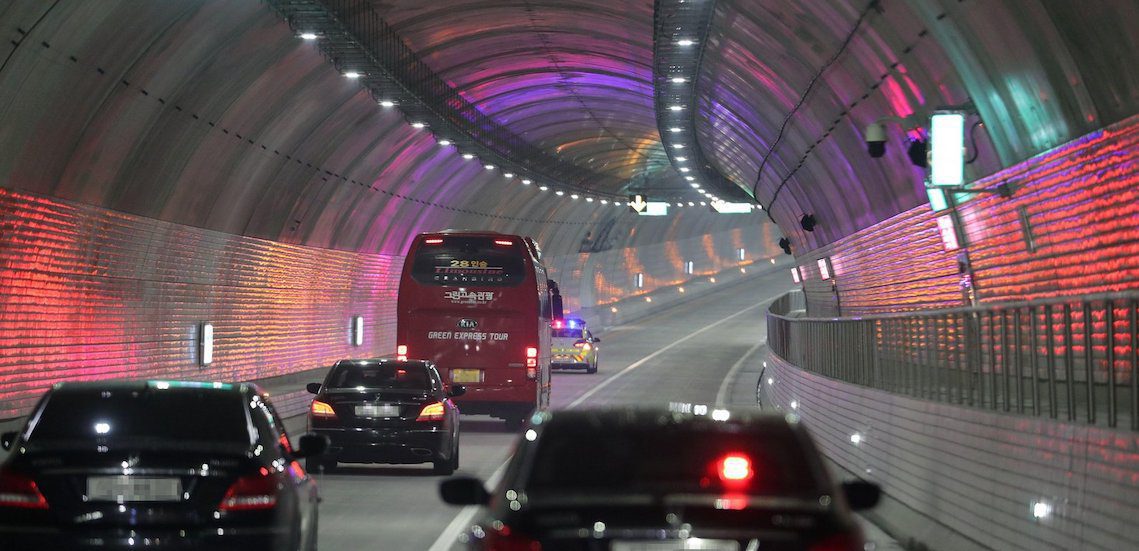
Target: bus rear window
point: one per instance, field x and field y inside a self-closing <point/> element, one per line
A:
<point x="469" y="261"/>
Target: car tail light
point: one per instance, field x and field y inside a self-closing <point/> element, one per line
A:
<point x="431" y="412"/>
<point x="19" y="490"/>
<point x="734" y="469"/>
<point x="251" y="492"/>
<point x="503" y="242"/>
<point x="583" y="345"/>
<point x="505" y="539"/>
<point x="321" y="409"/>
<point x="845" y="541"/>
<point x="401" y="352"/>
<point x="433" y="241"/>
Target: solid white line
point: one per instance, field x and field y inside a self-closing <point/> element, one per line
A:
<point x="732" y="373"/>
<point x="450" y="534"/>
<point x="641" y="361"/>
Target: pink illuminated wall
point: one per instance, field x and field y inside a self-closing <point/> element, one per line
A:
<point x="1082" y="203"/>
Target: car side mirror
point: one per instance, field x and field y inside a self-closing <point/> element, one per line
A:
<point x="595" y="339"/>
<point x="861" y="494"/>
<point x="457" y="390"/>
<point x="463" y="490"/>
<point x="8" y="438"/>
<point x="313" y="388"/>
<point x="311" y="444"/>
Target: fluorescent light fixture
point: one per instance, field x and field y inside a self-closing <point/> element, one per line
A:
<point x="741" y="254"/>
<point x="689" y="267"/>
<point x="357" y="330"/>
<point x="695" y="185"/>
<point x="678" y="146"/>
<point x="543" y="188"/>
<point x="690" y="178"/>
<point x="417" y="124"/>
<point x="676" y="108"/>
<point x="795" y="275"/>
<point x="676" y="129"/>
<point x="444" y="142"/>
<point x="703" y="203"/>
<point x="508" y="175"/>
<point x="1041" y="510"/>
<point x="685" y="42"/>
<point x="526" y="182"/>
<point x="489" y="167"/>
<point x="206" y="343"/>
<point x="938" y="198"/>
<point x="681" y="159"/>
<point x="387" y="103"/>
<point x="947" y="148"/>
<point x="352" y="74"/>
<point x="639" y="280"/>
<point x="308" y="36"/>
<point x="948" y="232"/>
<point x="102" y="428"/>
<point x="588" y="199"/>
<point x="468" y="156"/>
<point x="604" y="201"/>
<point x="574" y="196"/>
<point x="679" y="80"/>
<point x="824" y="270"/>
<point x="855" y="438"/>
<point x="685" y="169"/>
<point x="560" y="193"/>
<point x="691" y="204"/>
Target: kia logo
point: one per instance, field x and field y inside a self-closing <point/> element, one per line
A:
<point x="467" y="323"/>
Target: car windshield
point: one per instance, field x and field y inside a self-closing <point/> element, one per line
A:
<point x="175" y="416"/>
<point x="667" y="460"/>
<point x="380" y="375"/>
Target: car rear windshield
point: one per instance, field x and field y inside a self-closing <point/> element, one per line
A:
<point x="399" y="376"/>
<point x="177" y="416"/>
<point x="567" y="333"/>
<point x="483" y="261"/>
<point x="667" y="459"/>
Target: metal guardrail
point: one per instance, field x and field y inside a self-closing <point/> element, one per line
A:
<point x="1073" y="359"/>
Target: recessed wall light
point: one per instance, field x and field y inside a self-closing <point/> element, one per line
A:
<point x="685" y="42"/>
<point x="387" y="103"/>
<point x="468" y="156"/>
<point x="308" y="36"/>
<point x="352" y="74"/>
<point x="681" y="159"/>
<point x="444" y="142"/>
<point x="417" y="125"/>
<point x="676" y="129"/>
<point x="676" y="108"/>
<point x="679" y="80"/>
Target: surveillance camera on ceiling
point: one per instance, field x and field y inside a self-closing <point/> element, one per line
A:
<point x="876" y="139"/>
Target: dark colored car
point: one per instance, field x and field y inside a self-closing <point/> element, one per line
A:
<point x="681" y="478"/>
<point x="386" y="411"/>
<point x="162" y="464"/>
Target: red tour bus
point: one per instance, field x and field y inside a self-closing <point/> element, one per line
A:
<point x="478" y="304"/>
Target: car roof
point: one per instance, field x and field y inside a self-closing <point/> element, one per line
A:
<point x="609" y="418"/>
<point x="378" y="361"/>
<point x="144" y="384"/>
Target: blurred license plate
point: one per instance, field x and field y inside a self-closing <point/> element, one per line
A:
<point x="133" y="488"/>
<point x="377" y="410"/>
<point x="676" y="545"/>
<point x="466" y="375"/>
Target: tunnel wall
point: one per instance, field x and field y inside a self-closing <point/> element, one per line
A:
<point x="957" y="478"/>
<point x="1082" y="203"/>
<point x="91" y="293"/>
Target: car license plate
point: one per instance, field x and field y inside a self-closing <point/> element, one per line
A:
<point x="466" y="375"/>
<point x="123" y="489"/>
<point x="688" y="544"/>
<point x="377" y="410"/>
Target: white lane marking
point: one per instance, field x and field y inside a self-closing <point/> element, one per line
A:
<point x="732" y="373"/>
<point x="641" y="361"/>
<point x="450" y="535"/>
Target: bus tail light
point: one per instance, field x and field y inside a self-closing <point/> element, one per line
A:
<point x="531" y="356"/>
<point x="322" y="410"/>
<point x="431" y="412"/>
<point x="19" y="490"/>
<point x="401" y="352"/>
<point x="532" y="373"/>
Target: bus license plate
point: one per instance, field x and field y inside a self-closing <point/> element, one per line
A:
<point x="466" y="375"/>
<point x="124" y="489"/>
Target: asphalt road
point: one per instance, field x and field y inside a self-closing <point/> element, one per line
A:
<point x="708" y="350"/>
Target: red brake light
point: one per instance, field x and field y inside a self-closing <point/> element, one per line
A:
<point x="734" y="468"/>
<point x="433" y="241"/>
<point x="431" y="412"/>
<point x="504" y="539"/>
<point x="531" y="352"/>
<point x="558" y="324"/>
<point x="503" y="242"/>
<point x="401" y="352"/>
<point x="321" y="409"/>
<point x="844" y="541"/>
<point x="19" y="490"/>
<point x="255" y="491"/>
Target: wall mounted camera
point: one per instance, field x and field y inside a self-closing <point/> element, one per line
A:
<point x="807" y="222"/>
<point x="875" y="139"/>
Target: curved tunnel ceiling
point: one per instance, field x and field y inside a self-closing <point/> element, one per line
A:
<point x="215" y="114"/>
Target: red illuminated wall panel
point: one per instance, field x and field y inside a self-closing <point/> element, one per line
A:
<point x="93" y="294"/>
<point x="1082" y="200"/>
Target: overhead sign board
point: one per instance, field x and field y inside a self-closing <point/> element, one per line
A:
<point x="639" y="205"/>
<point x="724" y="207"/>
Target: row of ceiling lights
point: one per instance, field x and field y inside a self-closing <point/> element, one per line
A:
<point x="677" y="146"/>
<point x="387" y="103"/>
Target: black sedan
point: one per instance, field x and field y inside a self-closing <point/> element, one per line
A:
<point x="159" y="464"/>
<point x="386" y="411"/>
<point x="690" y="477"/>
